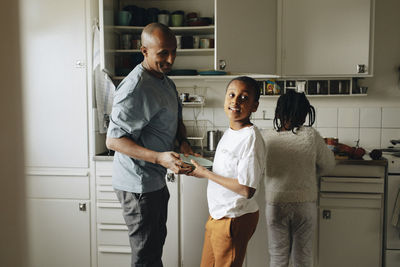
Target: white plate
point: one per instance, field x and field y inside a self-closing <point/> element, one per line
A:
<point x="202" y="161"/>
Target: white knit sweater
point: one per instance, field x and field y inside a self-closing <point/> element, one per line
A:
<point x="292" y="163"/>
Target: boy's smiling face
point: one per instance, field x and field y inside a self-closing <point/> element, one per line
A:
<point x="239" y="104"/>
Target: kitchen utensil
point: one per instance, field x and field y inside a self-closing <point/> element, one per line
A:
<point x="204" y="43"/>
<point x="163" y="17"/>
<point x="176" y="20"/>
<point x="196" y="41"/>
<point x="124" y="18"/>
<point x="213" y="139"/>
<point x="152" y="15"/>
<point x="212" y="72"/>
<point x="201" y="161"/>
<point x="187" y="41"/>
<point x="126" y="41"/>
<point x="182" y="72"/>
<point x="178" y="41"/>
<point x="184" y="97"/>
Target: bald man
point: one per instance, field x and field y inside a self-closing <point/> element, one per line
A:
<point x="145" y="123"/>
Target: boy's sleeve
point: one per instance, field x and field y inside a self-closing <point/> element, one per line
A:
<point x="250" y="167"/>
<point x="130" y="113"/>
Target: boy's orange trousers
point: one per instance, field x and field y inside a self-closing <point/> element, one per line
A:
<point x="226" y="239"/>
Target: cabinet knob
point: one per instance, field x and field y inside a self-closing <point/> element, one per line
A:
<point x="80" y="64"/>
<point x="82" y="206"/>
<point x="361" y="68"/>
<point x="222" y="64"/>
<point x="326" y="214"/>
<point x="171" y="177"/>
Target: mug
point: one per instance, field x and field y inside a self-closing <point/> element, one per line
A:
<point x="124" y="18"/>
<point x="176" y="20"/>
<point x="204" y="43"/>
<point x="126" y="40"/>
<point x="163" y="19"/>
<point x="136" y="43"/>
<point x="196" y="41"/>
<point x="178" y="41"/>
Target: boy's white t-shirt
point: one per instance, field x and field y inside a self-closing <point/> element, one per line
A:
<point x="240" y="155"/>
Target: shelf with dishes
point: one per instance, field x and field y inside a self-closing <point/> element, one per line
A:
<point x="177" y="30"/>
<point x="186" y="51"/>
<point x="338" y="87"/>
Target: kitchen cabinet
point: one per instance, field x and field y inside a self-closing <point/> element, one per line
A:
<point x="113" y="247"/>
<point x="53" y="61"/>
<point x="54" y="89"/>
<point x="194" y="214"/>
<point x="351" y="216"/>
<point x="58" y="213"/>
<point x="233" y="32"/>
<point x="118" y="62"/>
<point x="325" y="38"/>
<point x="246" y="36"/>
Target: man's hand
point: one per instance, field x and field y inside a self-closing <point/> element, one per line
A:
<point x="186" y="149"/>
<point x="172" y="161"/>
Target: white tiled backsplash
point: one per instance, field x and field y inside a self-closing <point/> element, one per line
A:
<point x="374" y="127"/>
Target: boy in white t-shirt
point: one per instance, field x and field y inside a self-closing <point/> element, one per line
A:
<point x="237" y="171"/>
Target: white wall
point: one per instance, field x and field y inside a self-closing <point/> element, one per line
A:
<point x="12" y="182"/>
<point x="374" y="119"/>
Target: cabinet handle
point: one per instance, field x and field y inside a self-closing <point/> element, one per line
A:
<point x="326" y="214"/>
<point x="361" y="68"/>
<point x="171" y="177"/>
<point x="82" y="206"/>
<point x="80" y="64"/>
<point x="222" y="64"/>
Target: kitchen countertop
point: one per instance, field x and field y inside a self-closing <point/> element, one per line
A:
<point x="381" y="162"/>
<point x="106" y="157"/>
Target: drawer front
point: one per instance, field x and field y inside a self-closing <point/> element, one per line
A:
<point x="58" y="186"/>
<point x="112" y="235"/>
<point x="343" y="200"/>
<point x="352" y="185"/>
<point x="109" y="213"/>
<point x="104" y="167"/>
<point x="106" y="193"/>
<point x="115" y="257"/>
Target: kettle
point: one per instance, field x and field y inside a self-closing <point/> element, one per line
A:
<point x="213" y="139"/>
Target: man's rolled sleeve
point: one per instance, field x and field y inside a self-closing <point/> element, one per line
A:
<point x="129" y="115"/>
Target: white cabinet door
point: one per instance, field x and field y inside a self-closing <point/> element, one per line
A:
<point x="54" y="79"/>
<point x="246" y="35"/>
<point x="194" y="214"/>
<point x="58" y="233"/>
<point x="349" y="234"/>
<point x="257" y="254"/>
<point x="170" y="256"/>
<point x="325" y="37"/>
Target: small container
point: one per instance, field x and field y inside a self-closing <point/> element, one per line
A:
<point x="213" y="139"/>
<point x="184" y="97"/>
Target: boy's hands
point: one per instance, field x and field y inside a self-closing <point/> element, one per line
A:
<point x="198" y="171"/>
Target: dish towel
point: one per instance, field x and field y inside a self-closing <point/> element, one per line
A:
<point x="103" y="85"/>
<point x="396" y="212"/>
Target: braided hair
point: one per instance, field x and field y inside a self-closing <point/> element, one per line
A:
<point x="291" y="111"/>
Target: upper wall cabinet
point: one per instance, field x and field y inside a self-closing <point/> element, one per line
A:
<point x="226" y="35"/>
<point x="325" y="37"/>
<point x="246" y="36"/>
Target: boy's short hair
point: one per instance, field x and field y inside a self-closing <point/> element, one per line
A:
<point x="250" y="83"/>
